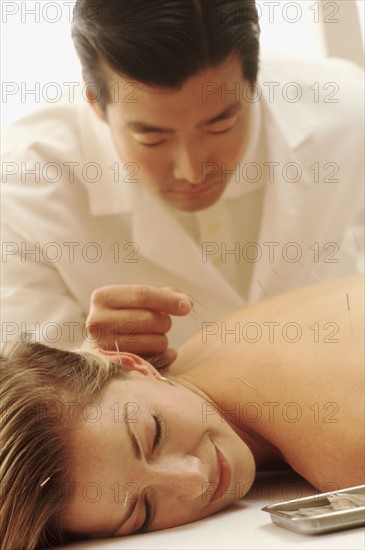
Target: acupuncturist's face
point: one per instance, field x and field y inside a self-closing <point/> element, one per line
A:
<point x="154" y="456"/>
<point x="183" y="142"/>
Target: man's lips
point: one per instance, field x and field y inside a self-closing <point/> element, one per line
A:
<point x="224" y="475"/>
<point x="191" y="191"/>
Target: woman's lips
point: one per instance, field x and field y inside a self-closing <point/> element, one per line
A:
<point x="224" y="475"/>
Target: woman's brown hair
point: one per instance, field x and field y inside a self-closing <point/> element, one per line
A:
<point x="42" y="391"/>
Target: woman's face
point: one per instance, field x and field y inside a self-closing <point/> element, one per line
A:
<point x="150" y="455"/>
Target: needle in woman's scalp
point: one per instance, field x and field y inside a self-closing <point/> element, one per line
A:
<point x="118" y="352"/>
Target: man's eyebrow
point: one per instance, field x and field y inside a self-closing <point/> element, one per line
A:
<point x="139" y="127"/>
<point x="227" y="112"/>
<point x="138" y="454"/>
<point x="143" y="128"/>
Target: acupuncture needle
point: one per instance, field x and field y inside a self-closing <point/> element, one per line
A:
<point x="193" y="310"/>
<point x="118" y="353"/>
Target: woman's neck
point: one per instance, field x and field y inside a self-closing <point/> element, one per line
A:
<point x="265" y="454"/>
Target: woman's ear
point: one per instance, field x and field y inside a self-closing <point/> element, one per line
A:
<point x="131" y="362"/>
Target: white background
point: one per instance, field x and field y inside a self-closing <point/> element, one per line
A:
<point x="37" y="48"/>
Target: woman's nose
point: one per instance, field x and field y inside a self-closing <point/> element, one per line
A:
<point x="183" y="477"/>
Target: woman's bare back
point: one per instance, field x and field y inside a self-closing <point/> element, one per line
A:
<point x="291" y="370"/>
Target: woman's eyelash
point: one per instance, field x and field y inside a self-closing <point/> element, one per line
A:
<point x="158" y="422"/>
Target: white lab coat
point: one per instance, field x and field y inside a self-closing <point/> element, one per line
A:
<point x="95" y="234"/>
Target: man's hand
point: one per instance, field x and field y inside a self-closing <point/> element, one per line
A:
<point x="137" y="317"/>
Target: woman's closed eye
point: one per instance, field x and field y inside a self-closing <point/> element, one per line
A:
<point x="156" y="441"/>
<point x="147" y="522"/>
<point x="159" y="429"/>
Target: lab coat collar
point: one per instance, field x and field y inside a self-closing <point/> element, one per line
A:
<point x="294" y="119"/>
<point x="171" y="247"/>
<point x="235" y="187"/>
<point x="281" y="212"/>
<point x="112" y="193"/>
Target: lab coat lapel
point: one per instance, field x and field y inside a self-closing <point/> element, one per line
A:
<point x="292" y="122"/>
<point x="281" y="212"/>
<point x="163" y="241"/>
<point x="110" y="194"/>
<point x="159" y="236"/>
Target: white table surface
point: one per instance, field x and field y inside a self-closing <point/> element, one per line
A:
<point x="241" y="526"/>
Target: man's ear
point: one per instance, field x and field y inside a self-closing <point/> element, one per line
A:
<point x="93" y="98"/>
<point x="132" y="362"/>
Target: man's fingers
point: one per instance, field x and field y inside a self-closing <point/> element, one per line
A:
<point x="131" y="321"/>
<point x="137" y="317"/>
<point x="164" y="300"/>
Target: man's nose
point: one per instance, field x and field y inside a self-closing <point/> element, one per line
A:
<point x="184" y="478"/>
<point x="189" y="162"/>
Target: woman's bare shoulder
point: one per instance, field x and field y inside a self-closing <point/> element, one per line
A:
<point x="316" y="312"/>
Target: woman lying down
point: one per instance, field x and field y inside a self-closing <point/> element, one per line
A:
<point x="101" y="445"/>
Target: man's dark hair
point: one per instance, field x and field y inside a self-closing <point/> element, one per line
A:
<point x="163" y="42"/>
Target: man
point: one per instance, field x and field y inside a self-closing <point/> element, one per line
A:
<point x="189" y="177"/>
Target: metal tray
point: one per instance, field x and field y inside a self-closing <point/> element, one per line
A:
<point x="287" y="514"/>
